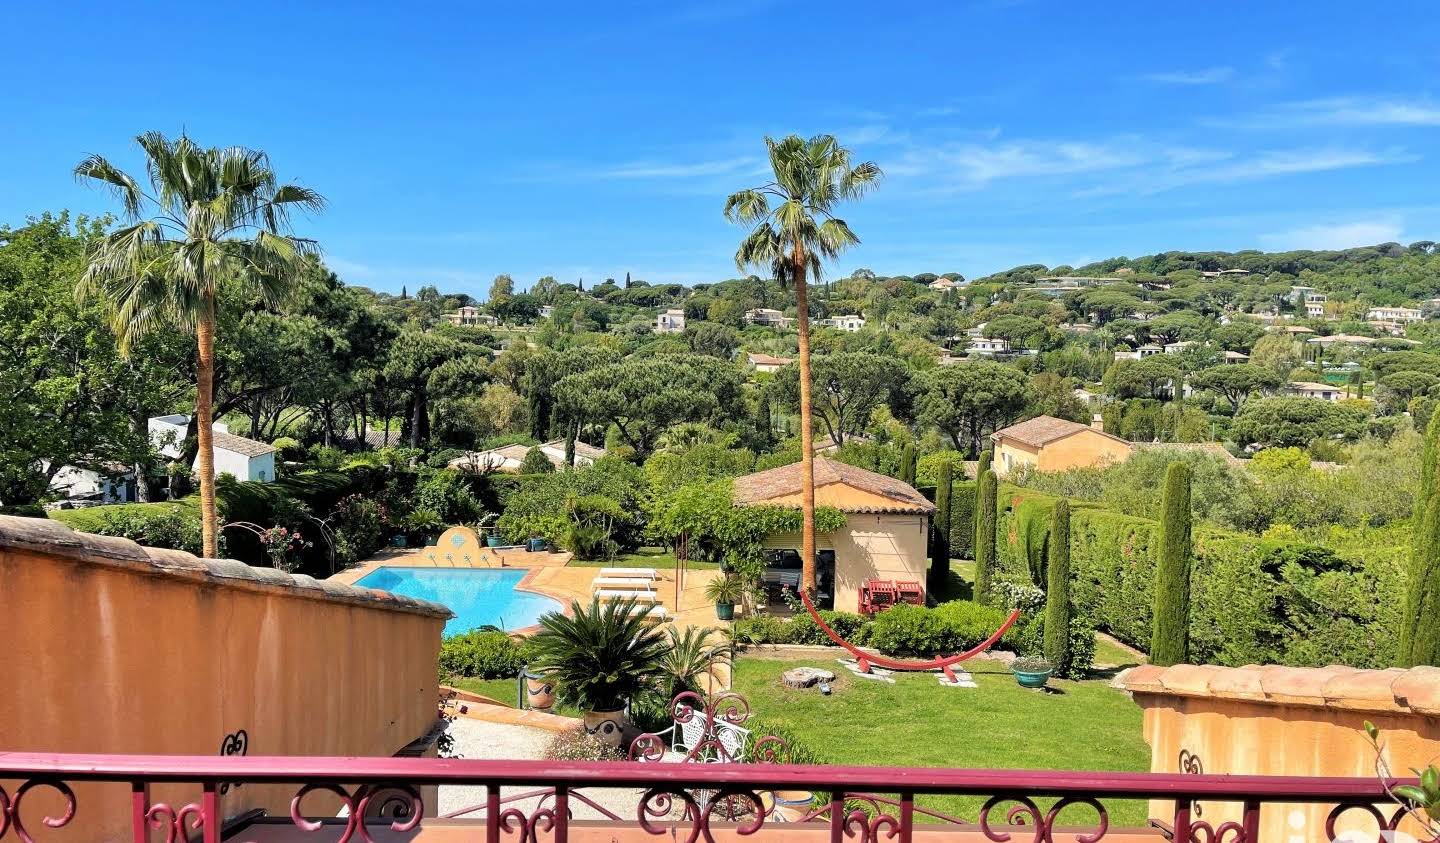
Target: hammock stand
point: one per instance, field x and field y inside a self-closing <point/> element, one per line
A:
<point x="865" y="661"/>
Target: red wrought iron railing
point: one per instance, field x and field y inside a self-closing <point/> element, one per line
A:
<point x="678" y="799"/>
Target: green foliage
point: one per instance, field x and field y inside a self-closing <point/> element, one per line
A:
<point x="940" y="530"/>
<point x="1169" y="641"/>
<point x="155" y="525"/>
<point x="600" y="655"/>
<point x="847" y="388"/>
<point x="965" y="401"/>
<point x="480" y="654"/>
<point x="1420" y="623"/>
<point x="986" y="490"/>
<point x="949" y="628"/>
<point x="596" y="508"/>
<point x="908" y="465"/>
<point x="536" y="462"/>
<point x="1297" y="422"/>
<point x="1058" y="611"/>
<point x="927" y="468"/>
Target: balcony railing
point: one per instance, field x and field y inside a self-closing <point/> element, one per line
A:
<point x="684" y="802"/>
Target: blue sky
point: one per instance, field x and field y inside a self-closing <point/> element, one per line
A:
<point x="587" y="140"/>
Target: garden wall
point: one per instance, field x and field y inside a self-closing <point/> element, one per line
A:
<point x="1285" y="721"/>
<point x="117" y="648"/>
<point x="1254" y="600"/>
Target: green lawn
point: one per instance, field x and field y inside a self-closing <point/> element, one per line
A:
<point x="502" y="690"/>
<point x="90" y="519"/>
<point x="646" y="557"/>
<point x="917" y="723"/>
<point x="1107" y="652"/>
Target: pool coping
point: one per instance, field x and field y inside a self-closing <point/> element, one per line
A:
<point x="350" y="576"/>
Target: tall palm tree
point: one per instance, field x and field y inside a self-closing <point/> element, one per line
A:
<point x="210" y="217"/>
<point x="793" y="228"/>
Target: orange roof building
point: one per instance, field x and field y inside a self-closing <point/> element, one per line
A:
<point x="886" y="527"/>
<point x="1050" y="444"/>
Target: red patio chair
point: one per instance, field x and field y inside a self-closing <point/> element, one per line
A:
<point x="881" y="594"/>
<point x="910" y="592"/>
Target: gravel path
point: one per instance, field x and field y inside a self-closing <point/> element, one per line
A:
<point x="481" y="740"/>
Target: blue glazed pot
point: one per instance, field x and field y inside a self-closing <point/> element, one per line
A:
<point x="1032" y="679"/>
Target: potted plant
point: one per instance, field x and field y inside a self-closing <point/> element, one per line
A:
<point x="601" y="657"/>
<point x="1031" y="671"/>
<point x="724" y="591"/>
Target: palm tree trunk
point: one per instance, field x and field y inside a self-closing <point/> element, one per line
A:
<point x="807" y="432"/>
<point x="204" y="432"/>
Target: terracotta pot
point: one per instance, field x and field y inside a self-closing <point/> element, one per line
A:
<point x="539" y="692"/>
<point x="792" y="805"/>
<point x="608" y="726"/>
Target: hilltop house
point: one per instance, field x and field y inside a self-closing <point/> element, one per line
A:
<point x="1180" y="347"/>
<point x="988" y="347"/>
<point x="670" y="321"/>
<point x="767" y="317"/>
<point x="1051" y="444"/>
<point x="767" y="363"/>
<point x="242" y="458"/>
<point x="1394" y="314"/>
<point x="943" y="284"/>
<point x="1323" y="391"/>
<point x="850" y="322"/>
<point x="472" y="317"/>
<point x="1140" y="353"/>
<point x="507" y="459"/>
<point x="887" y="524"/>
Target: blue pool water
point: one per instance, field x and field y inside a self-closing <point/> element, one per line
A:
<point x="477" y="596"/>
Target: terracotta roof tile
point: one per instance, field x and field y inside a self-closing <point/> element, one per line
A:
<point x="1337" y="687"/>
<point x="785" y="480"/>
<point x="1042" y="430"/>
<point x="241" y="445"/>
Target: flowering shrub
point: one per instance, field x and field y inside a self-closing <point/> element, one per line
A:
<point x="279" y="544"/>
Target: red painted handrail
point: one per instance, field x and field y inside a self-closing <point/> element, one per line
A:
<point x="944" y="663"/>
<point x="75" y="767"/>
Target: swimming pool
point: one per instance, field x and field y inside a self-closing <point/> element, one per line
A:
<point x="477" y="596"/>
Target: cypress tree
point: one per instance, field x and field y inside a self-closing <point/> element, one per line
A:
<point x="985" y="545"/>
<point x="980" y="468"/>
<point x="1420" y="624"/>
<point x="907" y="464"/>
<point x="940" y="530"/>
<point x="1057" y="590"/>
<point x="572" y="431"/>
<point x="1170" y="633"/>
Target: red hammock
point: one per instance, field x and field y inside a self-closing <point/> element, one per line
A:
<point x="865" y="661"/>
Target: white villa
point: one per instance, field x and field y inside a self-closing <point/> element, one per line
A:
<point x="670" y="321"/>
<point x="1139" y="353"/>
<point x="1323" y="391"/>
<point x="1394" y="314"/>
<point x="472" y="317"/>
<point x="1180" y="347"/>
<point x="943" y="284"/>
<point x="767" y="317"/>
<point x="507" y="459"/>
<point x="850" y="322"/>
<point x="767" y="362"/>
<point x="244" y="459"/>
<point x="988" y="346"/>
<point x="1310" y="299"/>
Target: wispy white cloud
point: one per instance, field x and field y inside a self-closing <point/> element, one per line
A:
<point x="1188" y="167"/>
<point x="1337" y="111"/>
<point x="1206" y="76"/>
<point x="1341" y="235"/>
<point x="680" y="170"/>
<point x="974" y="165"/>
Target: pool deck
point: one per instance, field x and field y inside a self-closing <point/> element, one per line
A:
<point x="552" y="575"/>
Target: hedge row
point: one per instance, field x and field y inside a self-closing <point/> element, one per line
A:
<point x="962" y="517"/>
<point x="1253" y="600"/>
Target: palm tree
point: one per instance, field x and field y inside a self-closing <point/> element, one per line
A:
<point x="210" y="217"/>
<point x="790" y="239"/>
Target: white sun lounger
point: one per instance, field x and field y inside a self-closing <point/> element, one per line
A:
<point x="621" y="583"/>
<point x="629" y="573"/>
<point x="606" y="595"/>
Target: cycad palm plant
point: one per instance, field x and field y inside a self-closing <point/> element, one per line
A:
<point x="601" y="655"/>
<point x="793" y="228"/>
<point x="207" y="218"/>
<point x="690" y="656"/>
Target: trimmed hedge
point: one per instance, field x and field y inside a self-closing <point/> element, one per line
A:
<point x="481" y="654"/>
<point x="1253" y="600"/>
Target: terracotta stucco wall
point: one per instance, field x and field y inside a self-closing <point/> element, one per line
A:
<point x="885" y="546"/>
<point x="1274" y="720"/>
<point x="1011" y="455"/>
<point x="1083" y="449"/>
<point x="115" y="659"/>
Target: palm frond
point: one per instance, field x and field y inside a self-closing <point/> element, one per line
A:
<point x="97" y="167"/>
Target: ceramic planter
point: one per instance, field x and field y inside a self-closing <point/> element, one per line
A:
<point x="725" y="611"/>
<point x="539" y="692"/>
<point x="792" y="805"/>
<point x="607" y="725"/>
<point x="492" y="541"/>
<point x="1032" y="678"/>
